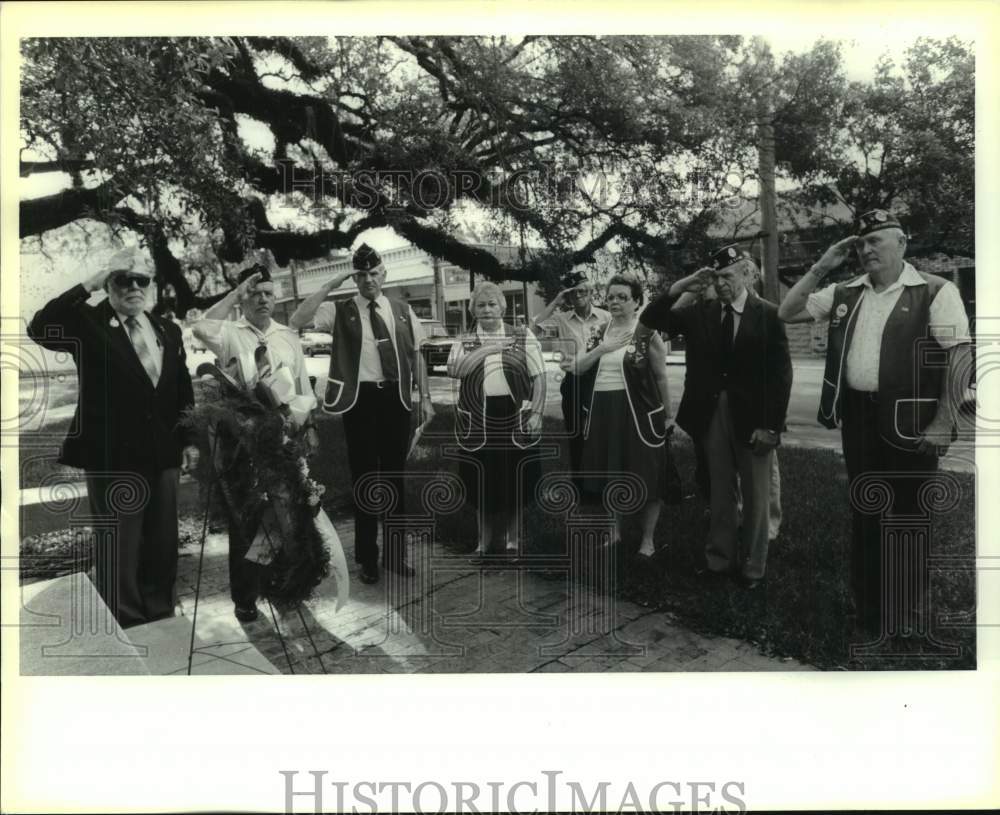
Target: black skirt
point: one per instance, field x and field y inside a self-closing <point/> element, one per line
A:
<point x="613" y="445"/>
<point x="500" y="475"/>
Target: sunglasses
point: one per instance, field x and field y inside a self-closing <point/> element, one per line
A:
<point x="125" y="281"/>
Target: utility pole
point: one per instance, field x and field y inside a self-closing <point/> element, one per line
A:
<point x="438" y="291"/>
<point x="295" y="283"/>
<point x="765" y="170"/>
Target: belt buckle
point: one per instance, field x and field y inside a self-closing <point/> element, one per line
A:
<point x="380" y="384"/>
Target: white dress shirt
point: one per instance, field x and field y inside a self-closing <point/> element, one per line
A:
<point x="578" y="329"/>
<point x="233" y="338"/>
<point x="371" y="363"/>
<point x="949" y="324"/>
<point x="738" y="305"/>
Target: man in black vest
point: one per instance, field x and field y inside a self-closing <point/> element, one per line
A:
<point x="736" y="388"/>
<point x="126" y="434"/>
<point x="374" y="359"/>
<point x="895" y="411"/>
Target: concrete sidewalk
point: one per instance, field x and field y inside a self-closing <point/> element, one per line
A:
<point x="454" y="617"/>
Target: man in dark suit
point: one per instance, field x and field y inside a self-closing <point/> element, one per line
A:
<point x="126" y="433"/>
<point x="736" y="389"/>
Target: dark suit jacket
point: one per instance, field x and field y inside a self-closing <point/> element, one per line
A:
<point x="122" y="423"/>
<point x="759" y="379"/>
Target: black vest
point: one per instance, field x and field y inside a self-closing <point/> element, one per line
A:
<point x="909" y="385"/>
<point x="470" y="425"/>
<point x="345" y="356"/>
<point x="641" y="390"/>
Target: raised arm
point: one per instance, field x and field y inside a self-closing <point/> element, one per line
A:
<point x="210" y="327"/>
<point x="303" y="315"/>
<point x="550" y="309"/>
<point x="793" y="306"/>
<point x="663" y="314"/>
<point x="62" y="313"/>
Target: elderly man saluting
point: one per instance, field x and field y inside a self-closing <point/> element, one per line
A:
<point x="896" y="413"/>
<point x="236" y="338"/>
<point x="374" y="360"/>
<point x="126" y="433"/>
<point x="576" y="326"/>
<point x="736" y="390"/>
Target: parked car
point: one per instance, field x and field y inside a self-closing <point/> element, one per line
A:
<point x="437" y="347"/>
<point x="316" y="342"/>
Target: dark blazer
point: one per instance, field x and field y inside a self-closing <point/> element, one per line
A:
<point x="759" y="378"/>
<point x="122" y="423"/>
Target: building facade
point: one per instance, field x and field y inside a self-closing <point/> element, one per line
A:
<point x="435" y="290"/>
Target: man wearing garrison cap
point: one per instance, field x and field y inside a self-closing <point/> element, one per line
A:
<point x="374" y="361"/>
<point x="126" y="434"/>
<point x="895" y="409"/>
<point x="736" y="389"/>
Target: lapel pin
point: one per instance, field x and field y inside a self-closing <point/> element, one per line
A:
<point x="114" y="322"/>
<point x="842" y="309"/>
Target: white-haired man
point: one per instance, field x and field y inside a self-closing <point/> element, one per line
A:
<point x="896" y="412"/>
<point x="126" y="434"/>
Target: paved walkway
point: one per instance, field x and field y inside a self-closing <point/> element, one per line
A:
<point x="454" y="617"/>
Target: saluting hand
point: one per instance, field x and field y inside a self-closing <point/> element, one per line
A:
<point x="834" y="256"/>
<point x="96" y="281"/>
<point x="246" y="285"/>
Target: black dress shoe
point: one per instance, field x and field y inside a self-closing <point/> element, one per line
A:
<point x="400" y="567"/>
<point x="369" y="574"/>
<point x="704" y="573"/>
<point x="246" y="614"/>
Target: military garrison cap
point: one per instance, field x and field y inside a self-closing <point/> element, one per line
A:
<point x="875" y="220"/>
<point x="728" y="255"/>
<point x="366" y="258"/>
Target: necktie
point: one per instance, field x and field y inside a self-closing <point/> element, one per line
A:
<point x="263" y="362"/>
<point x="727" y="335"/>
<point x="383" y="342"/>
<point x="142" y="350"/>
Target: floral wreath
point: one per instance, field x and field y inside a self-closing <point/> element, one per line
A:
<point x="256" y="433"/>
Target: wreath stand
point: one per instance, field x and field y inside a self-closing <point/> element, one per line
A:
<point x="197" y="590"/>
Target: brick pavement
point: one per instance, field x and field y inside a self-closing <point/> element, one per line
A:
<point x="454" y="617"/>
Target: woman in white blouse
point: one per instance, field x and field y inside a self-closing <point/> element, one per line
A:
<point x="627" y="407"/>
<point x="501" y="377"/>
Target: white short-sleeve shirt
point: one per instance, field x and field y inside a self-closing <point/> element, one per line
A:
<point x="233" y="338"/>
<point x="949" y="324"/>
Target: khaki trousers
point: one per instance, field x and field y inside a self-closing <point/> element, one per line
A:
<point x="732" y="465"/>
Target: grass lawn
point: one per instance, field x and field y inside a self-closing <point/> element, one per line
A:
<point x="800" y="612"/>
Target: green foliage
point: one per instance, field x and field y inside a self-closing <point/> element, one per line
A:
<point x="633" y="143"/>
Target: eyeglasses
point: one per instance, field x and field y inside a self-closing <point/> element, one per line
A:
<point x="623" y="297"/>
<point x="125" y="281"/>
